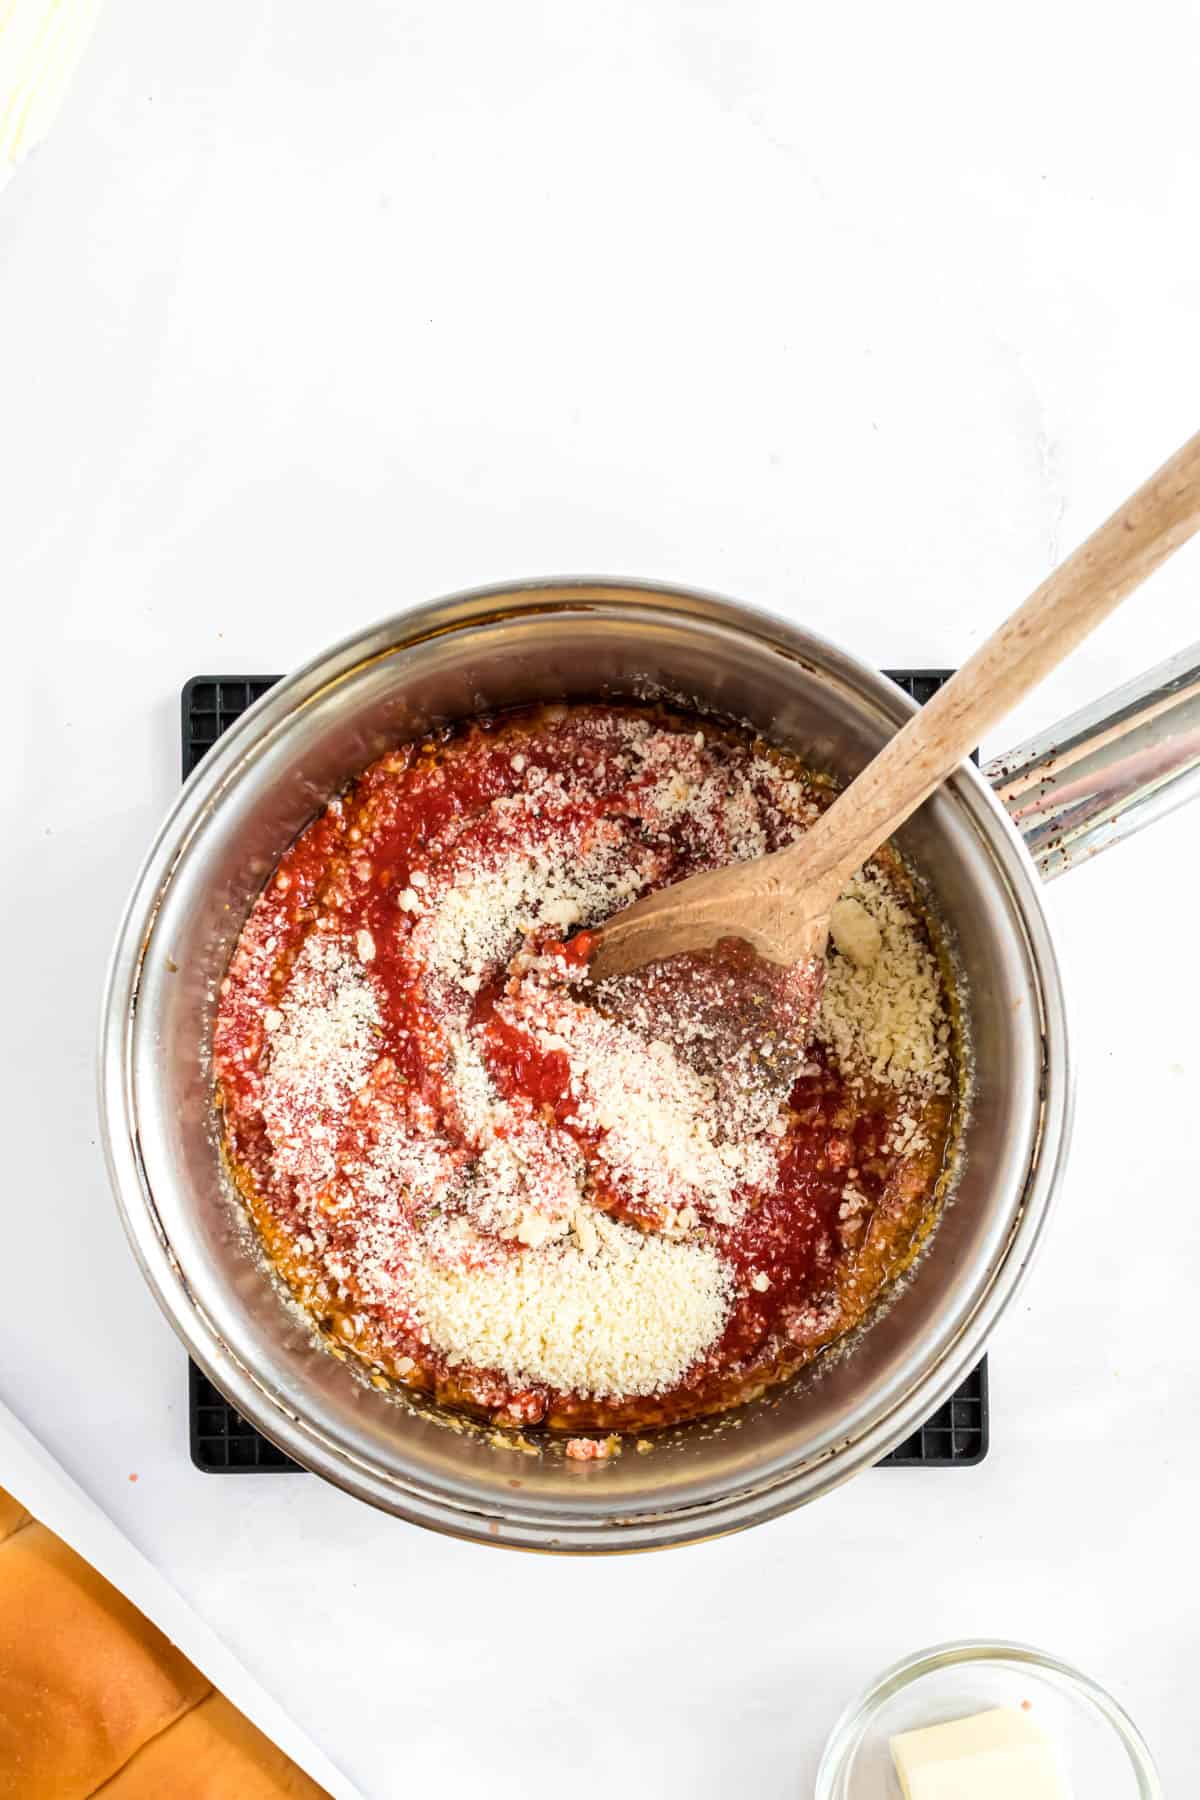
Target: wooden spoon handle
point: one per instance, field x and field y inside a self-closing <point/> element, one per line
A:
<point x="1068" y="605"/>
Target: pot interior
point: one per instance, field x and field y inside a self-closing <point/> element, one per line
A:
<point x="254" y="793"/>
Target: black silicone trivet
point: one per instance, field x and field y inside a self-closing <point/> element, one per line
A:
<point x="222" y="1442"/>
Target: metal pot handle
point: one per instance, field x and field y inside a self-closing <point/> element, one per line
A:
<point x="1109" y="770"/>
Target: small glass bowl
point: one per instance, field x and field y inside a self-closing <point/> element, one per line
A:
<point x="1100" y="1748"/>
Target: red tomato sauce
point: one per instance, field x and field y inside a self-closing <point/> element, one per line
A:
<point x="311" y="1160"/>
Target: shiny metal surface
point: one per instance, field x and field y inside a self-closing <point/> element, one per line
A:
<point x="1109" y="770"/>
<point x="256" y="789"/>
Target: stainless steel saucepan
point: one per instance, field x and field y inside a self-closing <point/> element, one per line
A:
<point x="1095" y="778"/>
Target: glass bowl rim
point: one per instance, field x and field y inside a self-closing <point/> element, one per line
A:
<point x="848" y="1729"/>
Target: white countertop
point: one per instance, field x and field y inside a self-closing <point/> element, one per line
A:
<point x="308" y="313"/>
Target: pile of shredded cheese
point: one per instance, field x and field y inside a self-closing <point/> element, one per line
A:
<point x="679" y="1139"/>
<point x="883" y="1016"/>
<point x="320" y="1053"/>
<point x="631" y="1317"/>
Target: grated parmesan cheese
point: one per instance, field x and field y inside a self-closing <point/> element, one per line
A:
<point x="886" y="1020"/>
<point x="320" y="1048"/>
<point x="855" y="932"/>
<point x="469" y="931"/>
<point x="631" y="1318"/>
<point x="669" y="1136"/>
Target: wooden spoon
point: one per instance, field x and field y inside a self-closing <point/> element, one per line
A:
<point x="780" y="904"/>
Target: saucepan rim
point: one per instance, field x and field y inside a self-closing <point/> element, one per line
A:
<point x="510" y="1522"/>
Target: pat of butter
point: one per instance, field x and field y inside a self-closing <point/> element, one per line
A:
<point x="993" y="1755"/>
